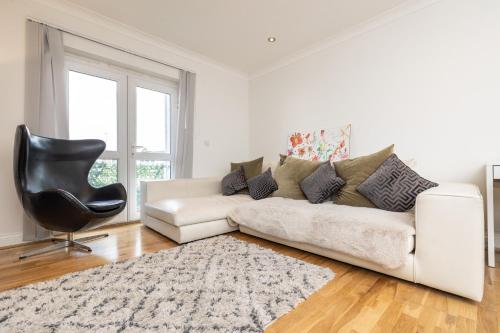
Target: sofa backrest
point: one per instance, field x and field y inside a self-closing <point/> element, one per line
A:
<point x="269" y="164"/>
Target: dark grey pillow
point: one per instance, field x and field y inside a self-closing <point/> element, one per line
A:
<point x="262" y="186"/>
<point x="234" y="181"/>
<point x="394" y="186"/>
<point x="321" y="184"/>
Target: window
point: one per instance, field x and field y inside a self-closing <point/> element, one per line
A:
<point x="153" y="120"/>
<point x="134" y="114"/>
<point x="92" y="98"/>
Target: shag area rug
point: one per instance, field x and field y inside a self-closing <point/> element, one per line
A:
<point x="219" y="284"/>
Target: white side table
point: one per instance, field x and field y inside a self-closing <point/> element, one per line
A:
<point x="492" y="174"/>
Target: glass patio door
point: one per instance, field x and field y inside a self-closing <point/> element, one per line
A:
<point x="134" y="114"/>
<point x="152" y="115"/>
<point x="97" y="102"/>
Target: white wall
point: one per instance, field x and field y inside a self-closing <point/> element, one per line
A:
<point x="429" y="82"/>
<point x="221" y="118"/>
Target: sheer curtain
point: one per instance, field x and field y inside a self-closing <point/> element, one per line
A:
<point x="46" y="111"/>
<point x="184" y="149"/>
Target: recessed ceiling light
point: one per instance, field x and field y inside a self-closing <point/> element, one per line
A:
<point x="271" y="39"/>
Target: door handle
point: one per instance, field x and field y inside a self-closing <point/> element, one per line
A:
<point x="137" y="148"/>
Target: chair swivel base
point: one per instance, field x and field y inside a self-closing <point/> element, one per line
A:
<point x="69" y="242"/>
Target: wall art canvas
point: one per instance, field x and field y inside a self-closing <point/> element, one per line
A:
<point x="320" y="145"/>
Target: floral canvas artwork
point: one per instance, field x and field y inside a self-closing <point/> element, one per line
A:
<point x="320" y="145"/>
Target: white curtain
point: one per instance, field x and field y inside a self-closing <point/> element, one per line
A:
<point x="184" y="147"/>
<point x="46" y="110"/>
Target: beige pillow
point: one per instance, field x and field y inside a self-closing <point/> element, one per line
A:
<point x="252" y="168"/>
<point x="354" y="172"/>
<point x="290" y="174"/>
<point x="282" y="159"/>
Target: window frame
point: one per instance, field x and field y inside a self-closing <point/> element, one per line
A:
<point x="101" y="70"/>
<point x="159" y="85"/>
<point x="126" y="80"/>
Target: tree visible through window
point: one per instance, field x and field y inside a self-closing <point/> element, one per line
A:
<point x="150" y="170"/>
<point x="103" y="172"/>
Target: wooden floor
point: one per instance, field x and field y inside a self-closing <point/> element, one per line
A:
<point x="357" y="300"/>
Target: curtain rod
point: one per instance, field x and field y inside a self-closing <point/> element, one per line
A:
<point x="107" y="45"/>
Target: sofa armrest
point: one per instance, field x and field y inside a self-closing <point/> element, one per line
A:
<point x="154" y="190"/>
<point x="449" y="249"/>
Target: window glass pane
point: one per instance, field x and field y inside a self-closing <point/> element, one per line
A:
<point x="153" y="120"/>
<point x="103" y="172"/>
<point x="92" y="108"/>
<point x="150" y="170"/>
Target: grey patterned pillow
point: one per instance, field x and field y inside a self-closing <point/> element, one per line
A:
<point x="262" y="186"/>
<point x="321" y="184"/>
<point x="394" y="186"/>
<point x="234" y="181"/>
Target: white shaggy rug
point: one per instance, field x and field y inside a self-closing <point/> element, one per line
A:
<point x="219" y="284"/>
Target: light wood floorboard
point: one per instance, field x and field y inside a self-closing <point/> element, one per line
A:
<point x="357" y="300"/>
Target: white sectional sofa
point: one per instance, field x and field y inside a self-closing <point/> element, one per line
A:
<point x="440" y="244"/>
<point x="185" y="210"/>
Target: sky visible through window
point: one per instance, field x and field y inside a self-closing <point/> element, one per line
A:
<point x="93" y="109"/>
<point x="93" y="113"/>
<point x="151" y="120"/>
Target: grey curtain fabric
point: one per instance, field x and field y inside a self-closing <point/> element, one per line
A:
<point x="184" y="149"/>
<point x="46" y="104"/>
<point x="46" y="110"/>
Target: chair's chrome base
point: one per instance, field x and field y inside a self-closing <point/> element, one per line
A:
<point x="69" y="242"/>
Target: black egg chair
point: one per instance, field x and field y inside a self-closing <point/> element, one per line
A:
<point x="51" y="182"/>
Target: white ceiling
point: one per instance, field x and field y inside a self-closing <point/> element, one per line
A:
<point x="234" y="32"/>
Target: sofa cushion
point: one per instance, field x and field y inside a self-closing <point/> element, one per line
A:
<point x="262" y="186"/>
<point x="394" y="186"/>
<point x="375" y="235"/>
<point x="290" y="174"/>
<point x="252" y="168"/>
<point x="234" y="181"/>
<point x="186" y="211"/>
<point x="282" y="159"/>
<point x="354" y="172"/>
<point x="321" y="184"/>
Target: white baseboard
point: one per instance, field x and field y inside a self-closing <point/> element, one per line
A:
<point x="10" y="239"/>
<point x="17" y="238"/>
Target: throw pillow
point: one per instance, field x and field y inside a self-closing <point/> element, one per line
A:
<point x="262" y="186"/>
<point x="354" y="172"/>
<point x="252" y="168"/>
<point x="234" y="181"/>
<point x="290" y="174"/>
<point x="321" y="184"/>
<point x="282" y="159"/>
<point x="394" y="186"/>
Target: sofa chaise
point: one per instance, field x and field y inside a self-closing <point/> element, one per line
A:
<point x="440" y="244"/>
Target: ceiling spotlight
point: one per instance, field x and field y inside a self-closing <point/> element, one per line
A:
<point x="271" y="39"/>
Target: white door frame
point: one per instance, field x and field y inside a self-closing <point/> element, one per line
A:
<point x="126" y="156"/>
<point x="98" y="69"/>
<point x="134" y="154"/>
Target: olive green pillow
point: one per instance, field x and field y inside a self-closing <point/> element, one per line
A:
<point x="354" y="172"/>
<point x="290" y="174"/>
<point x="282" y="159"/>
<point x="252" y="168"/>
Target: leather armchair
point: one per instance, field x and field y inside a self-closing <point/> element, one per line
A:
<point x="51" y="182"/>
